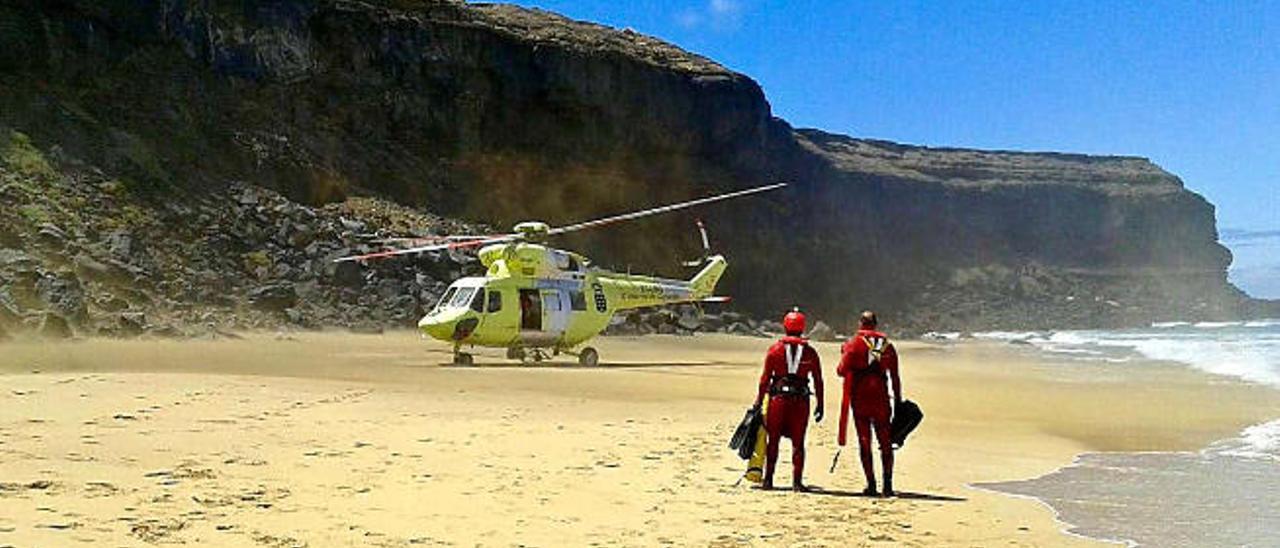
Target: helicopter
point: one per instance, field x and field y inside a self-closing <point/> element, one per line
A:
<point x="534" y="298"/>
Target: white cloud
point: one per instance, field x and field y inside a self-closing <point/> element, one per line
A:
<point x="689" y="19"/>
<point x="723" y="7"/>
<point x="718" y="15"/>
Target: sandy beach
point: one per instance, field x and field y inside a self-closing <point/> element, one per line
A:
<point x="334" y="439"/>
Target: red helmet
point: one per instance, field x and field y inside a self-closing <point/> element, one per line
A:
<point x="793" y="322"/>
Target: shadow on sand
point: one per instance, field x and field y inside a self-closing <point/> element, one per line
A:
<point x="570" y="365"/>
<point x="908" y="495"/>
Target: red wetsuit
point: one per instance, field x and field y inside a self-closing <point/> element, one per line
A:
<point x="787" y="368"/>
<point x="867" y="394"/>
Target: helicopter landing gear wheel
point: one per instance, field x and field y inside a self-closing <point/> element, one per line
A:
<point x="462" y="358"/>
<point x="529" y="355"/>
<point x="589" y="357"/>
<point x="515" y="353"/>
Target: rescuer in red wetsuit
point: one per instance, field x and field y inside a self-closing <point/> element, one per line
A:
<point x="787" y="368"/>
<point x="866" y="358"/>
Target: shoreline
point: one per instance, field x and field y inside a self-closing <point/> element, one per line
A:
<point x="631" y="452"/>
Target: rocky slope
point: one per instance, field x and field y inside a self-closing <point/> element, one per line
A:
<point x="220" y="151"/>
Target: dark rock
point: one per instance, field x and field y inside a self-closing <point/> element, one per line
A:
<point x="121" y="245"/>
<point x="51" y="235"/>
<point x="302" y="235"/>
<point x="64" y="296"/>
<point x="404" y="307"/>
<point x="390" y="289"/>
<point x="9" y="312"/>
<point x="13" y="260"/>
<point x="352" y="226"/>
<point x="689" y="320"/>
<point x="822" y="332"/>
<point x="273" y="297"/>
<point x="166" y="331"/>
<point x="712" y="322"/>
<point x="299" y="318"/>
<point x="348" y="274"/>
<point x="131" y="324"/>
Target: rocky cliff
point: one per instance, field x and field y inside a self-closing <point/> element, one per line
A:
<point x="141" y="110"/>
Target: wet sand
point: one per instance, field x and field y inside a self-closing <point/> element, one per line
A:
<point x="371" y="440"/>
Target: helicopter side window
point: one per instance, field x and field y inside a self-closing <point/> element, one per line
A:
<point x="477" y="303"/>
<point x="444" y="301"/>
<point x="577" y="301"/>
<point x="462" y="297"/>
<point x="495" y="301"/>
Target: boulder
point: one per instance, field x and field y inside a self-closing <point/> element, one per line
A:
<point x="273" y="297"/>
<point x="64" y="296"/>
<point x="822" y="332"/>
<point x="712" y="322"/>
<point x="770" y="326"/>
<point x="131" y="324"/>
<point x="299" y="318"/>
<point x="51" y="235"/>
<point x="347" y="274"/>
<point x="689" y="320"/>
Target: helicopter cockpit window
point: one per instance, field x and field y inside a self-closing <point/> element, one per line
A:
<point x="495" y="301"/>
<point x="551" y="301"/>
<point x="444" y="301"/>
<point x="477" y="303"/>
<point x="462" y="297"/>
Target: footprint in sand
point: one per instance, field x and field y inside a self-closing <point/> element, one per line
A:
<point x="156" y="530"/>
<point x="98" y="489"/>
<point x="274" y="541"/>
<point x="20" y="489"/>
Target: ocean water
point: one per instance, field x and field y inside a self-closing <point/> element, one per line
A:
<point x="1226" y="494"/>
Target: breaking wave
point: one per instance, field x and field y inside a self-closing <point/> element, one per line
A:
<point x="1246" y="350"/>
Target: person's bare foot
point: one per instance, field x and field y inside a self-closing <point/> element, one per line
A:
<point x="799" y="487"/>
<point x="870" y="491"/>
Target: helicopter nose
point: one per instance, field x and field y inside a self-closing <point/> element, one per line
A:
<point x="436" y="327"/>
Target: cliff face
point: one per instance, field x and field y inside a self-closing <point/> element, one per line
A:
<point x="499" y="114"/>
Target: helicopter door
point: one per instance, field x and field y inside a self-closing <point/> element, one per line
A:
<point x="555" y="310"/>
<point x="530" y="310"/>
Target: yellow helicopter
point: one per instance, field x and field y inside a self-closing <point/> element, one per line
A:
<point x="533" y="298"/>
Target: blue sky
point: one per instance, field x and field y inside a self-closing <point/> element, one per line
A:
<point x="1195" y="86"/>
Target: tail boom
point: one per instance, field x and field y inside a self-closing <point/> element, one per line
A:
<point x="627" y="292"/>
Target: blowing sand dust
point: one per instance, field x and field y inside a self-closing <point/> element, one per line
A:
<point x="337" y="439"/>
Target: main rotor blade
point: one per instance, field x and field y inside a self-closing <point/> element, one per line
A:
<point x="428" y="240"/>
<point x="437" y="247"/>
<point x="663" y="209"/>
